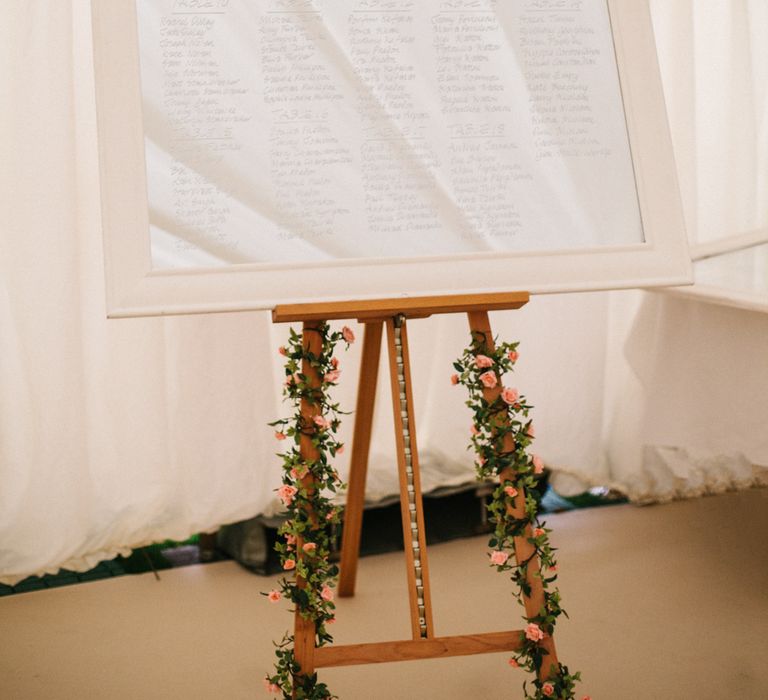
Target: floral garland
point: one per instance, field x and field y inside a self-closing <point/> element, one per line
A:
<point x="306" y="492"/>
<point x="502" y="432"/>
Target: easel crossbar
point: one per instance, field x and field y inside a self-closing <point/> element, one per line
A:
<point x="415" y="649"/>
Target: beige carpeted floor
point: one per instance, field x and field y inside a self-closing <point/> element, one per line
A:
<point x="665" y="602"/>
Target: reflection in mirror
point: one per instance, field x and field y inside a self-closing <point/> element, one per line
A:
<point x="314" y="130"/>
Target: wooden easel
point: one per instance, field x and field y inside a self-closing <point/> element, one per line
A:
<point x="393" y="313"/>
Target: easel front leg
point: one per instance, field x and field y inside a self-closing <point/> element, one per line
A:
<point x="524" y="550"/>
<point x="304" y="630"/>
<point x="358" y="467"/>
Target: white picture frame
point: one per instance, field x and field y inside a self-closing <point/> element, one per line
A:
<point x="134" y="288"/>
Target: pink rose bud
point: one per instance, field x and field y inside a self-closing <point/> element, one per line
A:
<point x="474" y="430"/>
<point x="510" y="396"/>
<point x="275" y="688"/>
<point x="331" y="515"/>
<point x="499" y="558"/>
<point x="326" y="593"/>
<point x="513" y="662"/>
<point x="290" y="540"/>
<point x="530" y="431"/>
<point x="489" y="380"/>
<point x="309" y="547"/>
<point x="513" y="356"/>
<point x="454" y="379"/>
<point x="286" y="493"/>
<point x="548" y="689"/>
<point x="332" y="376"/>
<point x="279" y="435"/>
<point x="538" y="532"/>
<point x="335" y="362"/>
<point x="534" y="632"/>
<point x="347" y="334"/>
<point x="282" y="350"/>
<point x="538" y="465"/>
<point x="320" y="422"/>
<point x="274" y="596"/>
<point x="289" y="564"/>
<point x="553" y="568"/>
<point x="511" y="491"/>
<point x="483" y="361"/>
<point x="340" y="451"/>
<point x="330" y="621"/>
<point x="587" y="697"/>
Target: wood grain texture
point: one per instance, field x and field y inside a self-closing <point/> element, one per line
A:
<point x="524" y="550"/>
<point x="413" y="650"/>
<point x="411" y="307"/>
<point x="358" y="469"/>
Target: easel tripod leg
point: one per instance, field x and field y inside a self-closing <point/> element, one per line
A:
<point x="524" y="550"/>
<point x="304" y="630"/>
<point x="358" y="469"/>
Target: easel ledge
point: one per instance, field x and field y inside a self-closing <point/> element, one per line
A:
<point x="409" y="307"/>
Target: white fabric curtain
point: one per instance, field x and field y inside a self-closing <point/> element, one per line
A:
<point x="118" y="433"/>
<point x="687" y="402"/>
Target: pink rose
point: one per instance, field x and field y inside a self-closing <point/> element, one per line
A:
<point x="553" y="568"/>
<point x="330" y="621"/>
<point x="286" y="493"/>
<point x="274" y="596"/>
<point x="538" y="465"/>
<point x="289" y="564"/>
<point x="513" y="662"/>
<point x="538" y="532"/>
<point x="513" y="356"/>
<point x="332" y="376"/>
<point x="321" y="422"/>
<point x="282" y="350"/>
<point x="511" y="491"/>
<point x="347" y="334"/>
<point x="335" y="362"/>
<point x="275" y="688"/>
<point x="510" y="396"/>
<point x="326" y="593"/>
<point x="331" y="515"/>
<point x="454" y="379"/>
<point x="474" y="430"/>
<point x="290" y="540"/>
<point x="499" y="558"/>
<point x="534" y="632"/>
<point x="271" y="687"/>
<point x="483" y="361"/>
<point x="489" y="379"/>
<point x="530" y="432"/>
<point x="548" y="689"/>
<point x="279" y="435"/>
<point x="309" y="547"/>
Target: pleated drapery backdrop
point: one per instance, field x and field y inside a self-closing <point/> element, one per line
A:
<point x="114" y="434"/>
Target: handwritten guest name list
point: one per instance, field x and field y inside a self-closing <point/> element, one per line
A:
<point x="289" y="131"/>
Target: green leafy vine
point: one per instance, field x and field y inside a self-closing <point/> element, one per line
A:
<point x="307" y="489"/>
<point x="502" y="433"/>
